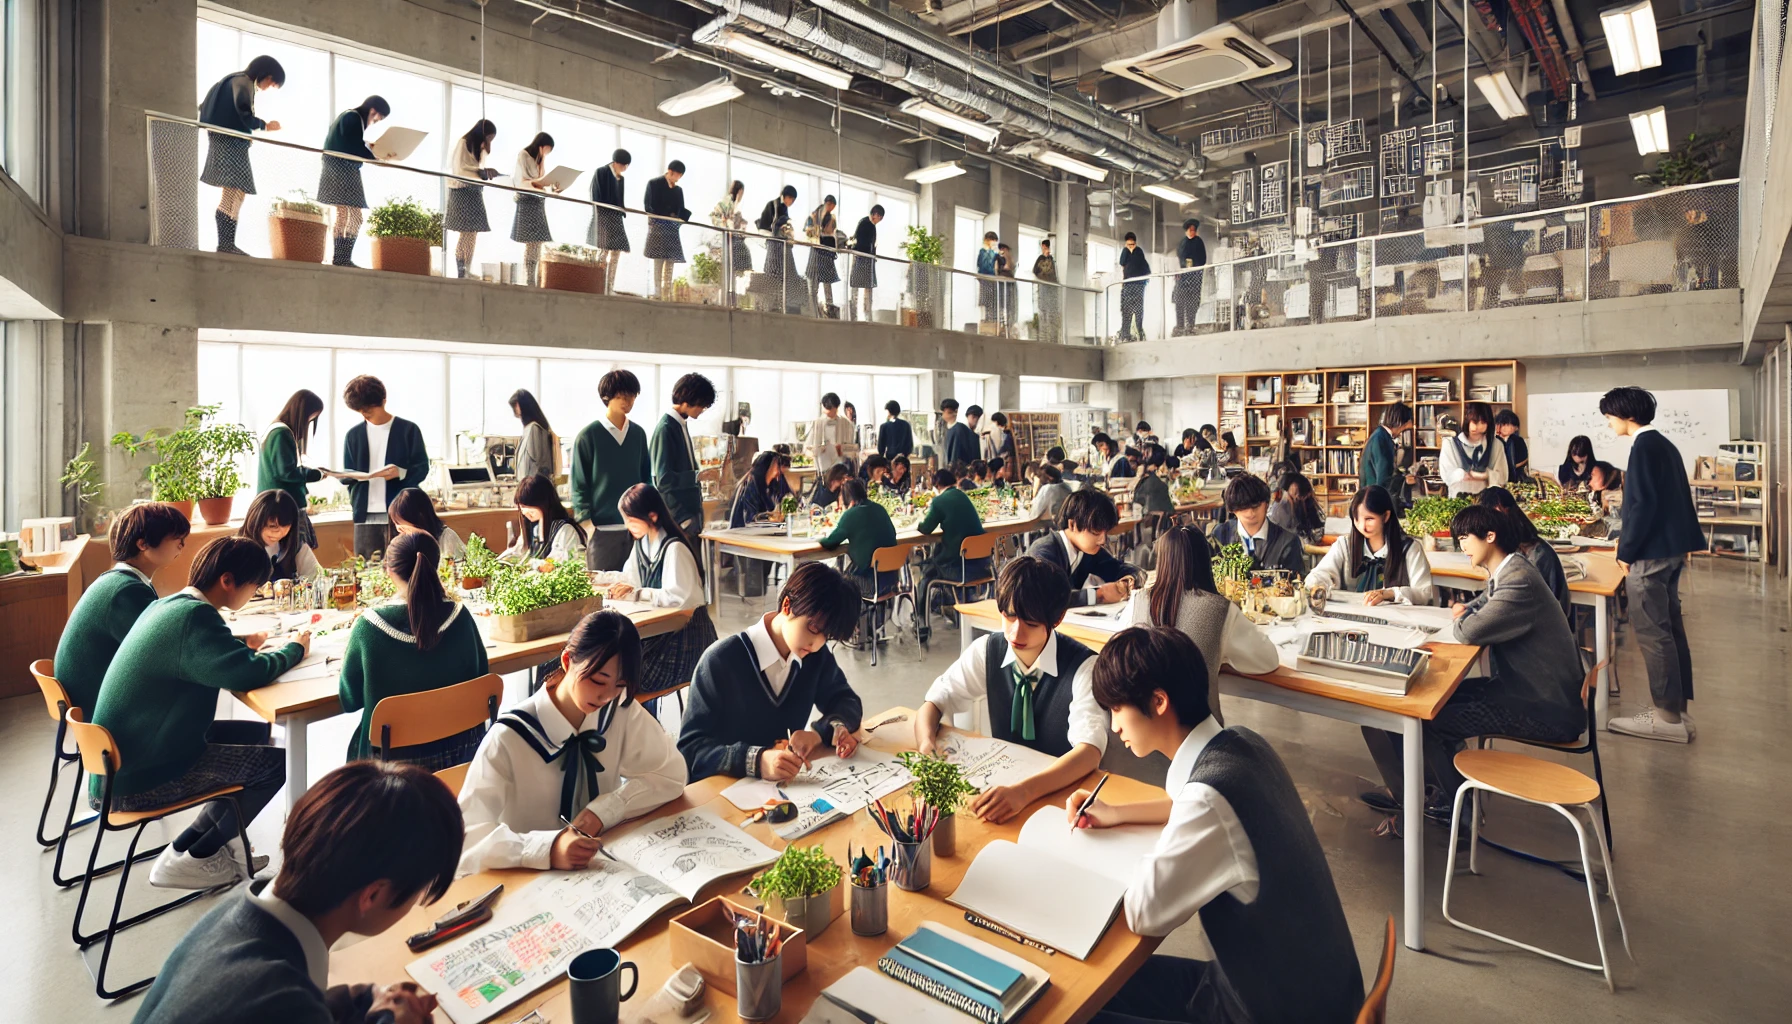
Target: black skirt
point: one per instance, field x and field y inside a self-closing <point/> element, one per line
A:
<point x="531" y="223"/>
<point x="663" y="242"/>
<point x="670" y="658"/>
<point x="606" y="231"/>
<point x="824" y="266"/>
<point x="227" y="163"/>
<point x="864" y="272"/>
<point x="339" y="184"/>
<point x="466" y="210"/>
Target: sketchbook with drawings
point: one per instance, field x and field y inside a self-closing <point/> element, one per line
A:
<point x="536" y="932"/>
<point x="825" y="792"/>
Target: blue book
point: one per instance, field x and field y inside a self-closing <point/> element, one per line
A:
<point x="985" y="972"/>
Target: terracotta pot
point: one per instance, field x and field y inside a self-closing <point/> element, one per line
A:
<point x="472" y="582"/>
<point x="568" y="275"/>
<point x="215" y="511"/>
<point x="297" y="236"/>
<point x="402" y="255"/>
<point x="186" y="508"/>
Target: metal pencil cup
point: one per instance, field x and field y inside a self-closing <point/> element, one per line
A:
<point x="759" y="988"/>
<point x="913" y="866"/>
<point x="870" y="909"/>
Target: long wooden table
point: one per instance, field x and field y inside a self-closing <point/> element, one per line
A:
<point x="1406" y="715"/>
<point x="1078" y="988"/>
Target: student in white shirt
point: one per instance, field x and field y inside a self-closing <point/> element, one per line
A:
<point x="528" y="801"/>
<point x="273" y="522"/>
<point x="530" y="226"/>
<point x="1037" y="683"/>
<point x="1376" y="558"/>
<point x="1474" y="459"/>
<point x="466" y="200"/>
<point x="413" y="512"/>
<point x="830" y="433"/>
<point x="663" y="571"/>
<point x="544" y="529"/>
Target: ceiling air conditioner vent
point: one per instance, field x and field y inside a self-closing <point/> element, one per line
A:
<point x="1219" y="56"/>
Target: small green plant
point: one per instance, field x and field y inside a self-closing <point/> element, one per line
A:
<point x="300" y="200"/>
<point x="581" y="252"/>
<point x="1432" y="515"/>
<point x="1232" y="564"/>
<point x="923" y="246"/>
<point x="405" y="218"/>
<point x="514" y="590"/>
<point x="789" y="505"/>
<point x="705" y="268"/>
<point x="799" y="871"/>
<point x="196" y="462"/>
<point x="939" y="783"/>
<point x="1694" y="160"/>
<point x="479" y="561"/>
<point x="82" y="475"/>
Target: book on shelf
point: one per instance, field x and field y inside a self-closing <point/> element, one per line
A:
<point x="1305" y="390"/>
<point x="1435" y="389"/>
<point x="1490" y="393"/>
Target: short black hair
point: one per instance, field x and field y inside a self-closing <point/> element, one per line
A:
<point x="151" y="523"/>
<point x="1137" y="662"/>
<point x="1397" y="415"/>
<point x="366" y="822"/>
<point x="877" y="210"/>
<point x="1245" y="491"/>
<point x="975" y="410"/>
<point x="617" y="382"/>
<point x="621" y="156"/>
<point x="694" y="389"/>
<point x="245" y="560"/>
<point x="1131" y="236"/>
<point x="1000" y="419"/>
<point x="1033" y="590"/>
<point x="979" y="468"/>
<point x="264" y="67"/>
<point x="1088" y="509"/>
<point x="949" y="405"/>
<point x="875" y="462"/>
<point x="853" y="491"/>
<point x="1629" y="403"/>
<point x="893" y="407"/>
<point x="1523" y="530"/>
<point x="822" y="593"/>
<point x="944" y="478"/>
<point x="1154" y="456"/>
<point x="1050" y="472"/>
<point x="1055" y="453"/>
<point x="788" y="192"/>
<point x="1481" y="520"/>
<point x="1141" y="425"/>
<point x="996" y="464"/>
<point x="675" y="167"/>
<point x="1505" y="418"/>
<point x="364" y="392"/>
<point x="1291" y="481"/>
<point x="830" y="401"/>
<point x="1191" y="223"/>
<point x="989" y="236"/>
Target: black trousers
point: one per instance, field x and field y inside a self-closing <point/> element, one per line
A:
<point x="1132" y="310"/>
<point x="372" y="538"/>
<point x="1174" y="989"/>
<point x="1654" y="584"/>
<point x="1475" y="710"/>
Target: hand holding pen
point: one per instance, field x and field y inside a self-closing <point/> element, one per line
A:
<point x="574" y="847"/>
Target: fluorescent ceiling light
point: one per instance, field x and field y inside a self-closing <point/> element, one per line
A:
<point x="748" y="45"/>
<point x="1066" y="162"/>
<point x="1174" y="195"/>
<point x="1651" y="130"/>
<point x="1630" y="33"/>
<point x="926" y="111"/>
<point x="1504" y="99"/>
<point x="935" y="172"/>
<point x="706" y="95"/>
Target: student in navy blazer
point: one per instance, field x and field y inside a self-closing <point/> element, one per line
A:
<point x="1079" y="547"/>
<point x="387" y="446"/>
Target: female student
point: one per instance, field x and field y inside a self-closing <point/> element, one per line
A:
<point x="1226" y="448"/>
<point x="1531" y="545"/>
<point x="413" y="512"/>
<point x="1576" y="472"/>
<point x="419" y="641"/>
<point x="272" y="521"/>
<point x="1474" y="459"/>
<point x="899" y="480"/>
<point x="824" y="270"/>
<point x="1298" y="512"/>
<point x="544" y="528"/>
<point x="862" y="277"/>
<point x="540" y="449"/>
<point x="339" y="184"/>
<point x="144" y="539"/>
<point x="282" y="447"/>
<point x="607" y="231"/>
<point x="1376" y="558"/>
<point x="759" y="491"/>
<point x="664" y="198"/>
<point x="1049" y="490"/>
<point x="728" y="217"/>
<point x="864" y="527"/>
<point x="663" y="571"/>
<point x="531" y="224"/>
<point x="230" y="104"/>
<point x="466" y="198"/>
<point x="827" y="488"/>
<point x="159" y="699"/>
<point x="530" y="802"/>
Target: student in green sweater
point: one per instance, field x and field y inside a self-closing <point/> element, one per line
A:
<point x="863" y="528"/>
<point x="674" y="451"/>
<point x="418" y="641"/>
<point x="284" y="444"/>
<point x="952" y="514"/>
<point x="272" y="521"/>
<point x="158" y="701"/>
<point x="609" y="456"/>
<point x="144" y="538"/>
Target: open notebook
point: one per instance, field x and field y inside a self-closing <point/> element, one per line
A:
<point x="939" y="964"/>
<point x="1084" y="871"/>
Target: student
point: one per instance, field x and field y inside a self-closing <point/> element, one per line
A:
<point x="273" y="522"/>
<point x="863" y="527"/>
<point x="544" y="528"/>
<point x="1048" y="297"/>
<point x="530" y="226"/>
<point x="900" y="481"/>
<point x="1189" y="446"/>
<point x="387" y="447"/>
<point x="1531" y="545"/>
<point x="230" y="104"/>
<point x="1079" y="547"/>
<point x="894" y="435"/>
<point x="960" y="441"/>
<point x="1037" y="684"/>
<point x="673" y="451"/>
<point x="1472" y="461"/>
<point x="764" y="684"/>
<point x="1209" y="434"/>
<point x="1109" y="457"/>
<point x="1191" y="256"/>
<point x="781" y="277"/>
<point x="413" y="512"/>
<point x="539" y="451"/>
<point x="664" y="199"/>
<point x="339" y="184"/>
<point x="952" y="514"/>
<point x="1576" y="471"/>
<point x="364" y="845"/>
<point x="465" y="214"/>
<point x="529" y="801"/>
<point x="664" y="572"/>
<point x="830" y="434"/>
<point x="1512" y="446"/>
<point x="862" y="278"/>
<point x="1226" y="447"/>
<point x="1237" y="849"/>
<point x="821" y="228"/>
<point x="1049" y="491"/>
<point x="1269" y="546"/>
<point x="1009" y="292"/>
<point x="1376" y="558"/>
<point x="759" y="492"/>
<point x="607" y="230"/>
<point x="978" y="473"/>
<point x="1661" y="528"/>
<point x="851" y="412"/>
<point x="1381" y="456"/>
<point x="159" y="698"/>
<point x="416" y="642"/>
<point x="609" y="456"/>
<point x="875" y="471"/>
<point x="278" y="467"/>
<point x="144" y="538"/>
<point x="1298" y="512"/>
<point x="827" y="486"/>
<point x="1134" y="268"/>
<point x="987" y="301"/>
<point x="728" y="217"/>
<point x="1151" y="494"/>
<point x="998" y="441"/>
<point x="1604" y="479"/>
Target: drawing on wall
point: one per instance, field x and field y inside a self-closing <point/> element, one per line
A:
<point x="1338" y="140"/>
<point x="1338" y="228"/>
<point x="1439" y="147"/>
<point x="1244" y="195"/>
<point x="1401" y="162"/>
<point x="1258" y="122"/>
<point x="1272" y="193"/>
<point x="1347" y="186"/>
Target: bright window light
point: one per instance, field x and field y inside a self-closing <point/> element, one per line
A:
<point x="1066" y="162"/>
<point x="1174" y="195"/>
<point x="1651" y="130"/>
<point x="926" y="111"/>
<point x="706" y="95"/>
<point x="935" y="172"/>
<point x="1504" y="99"/>
<point x="748" y="45"/>
<point x="1630" y="33"/>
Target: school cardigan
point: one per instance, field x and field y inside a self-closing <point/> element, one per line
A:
<point x="346" y="135"/>
<point x="160" y="693"/>
<point x="863" y="528"/>
<point x="951" y="513"/>
<point x="603" y="469"/>
<point x="664" y="199"/>
<point x="961" y="445"/>
<point x="734" y="715"/>
<point x="108" y="608"/>
<point x="895" y="437"/>
<point x="383" y="660"/>
<point x="606" y="187"/>
<point x="1281" y="549"/>
<point x="1380" y="461"/>
<point x="278" y="469"/>
<point x="1051" y="548"/>
<point x="1659" y="518"/>
<point x="1536" y="665"/>
<point x="404" y="449"/>
<point x="674" y="457"/>
<point x="864" y="238"/>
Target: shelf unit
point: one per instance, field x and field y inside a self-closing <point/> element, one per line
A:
<point x="1035" y="433"/>
<point x="1733" y="512"/>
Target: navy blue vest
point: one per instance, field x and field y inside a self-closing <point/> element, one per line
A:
<point x="1051" y="699"/>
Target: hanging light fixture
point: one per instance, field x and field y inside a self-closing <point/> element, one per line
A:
<point x="1630" y="33"/>
<point x="986" y="133"/>
<point x="706" y="95"/>
<point x="1651" y="130"/>
<point x="1501" y="96"/>
<point x="1174" y="195"/>
<point x="749" y="45"/>
<point x="1066" y="162"/>
<point x="935" y="172"/>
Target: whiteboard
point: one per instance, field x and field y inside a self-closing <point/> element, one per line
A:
<point x="1696" y="421"/>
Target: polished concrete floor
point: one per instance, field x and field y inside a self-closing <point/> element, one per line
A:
<point x="1701" y="835"/>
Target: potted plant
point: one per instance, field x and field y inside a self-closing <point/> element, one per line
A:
<point x="1429" y="518"/>
<point x="1232" y="572"/>
<point x="939" y="784"/>
<point x="924" y="250"/>
<point x="82" y="475"/>
<point x="706" y="277"/>
<point x="478" y="564"/>
<point x="297" y="229"/>
<point x="804" y="887"/>
<point x="403" y="232"/>
<point x="572" y="268"/>
<point x="536" y="601"/>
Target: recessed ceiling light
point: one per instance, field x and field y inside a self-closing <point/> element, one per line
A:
<point x="935" y="172"/>
<point x="706" y="95"/>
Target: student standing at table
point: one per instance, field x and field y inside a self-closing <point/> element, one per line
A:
<point x="664" y="572"/>
<point x="754" y="693"/>
<point x="1079" y="547"/>
<point x="273" y="522"/>
<point x="1376" y="558"/>
<point x="609" y="456"/>
<point x="278" y="467"/>
<point x="1151" y="495"/>
<point x="1037" y="683"/>
<point x="862" y="278"/>
<point x="387" y="447"/>
<point x="673" y="451"/>
<point x="416" y="642"/>
<point x="575" y="758"/>
<point x="960" y="445"/>
<point x="1238" y="850"/>
<point x="465" y="214"/>
<point x="530" y="226"/>
<point x="952" y="514"/>
<point x="230" y="104"/>
<point x="1298" y="512"/>
<point x="339" y="183"/>
<point x="728" y="217"/>
<point x="1191" y="256"/>
<point x="831" y="433"/>
<point x="998" y="441"/>
<point x="159" y="700"/>
<point x="607" y="230"/>
<point x="664" y="199"/>
<point x="1532" y="546"/>
<point x="539" y="451"/>
<point x="544" y="528"/>
<point x="413" y="511"/>
<point x="863" y="527"/>
<point x="1380" y="466"/>
<point x="1474" y="459"/>
<point x="895" y="436"/>
<point x="1576" y="471"/>
<point x="1661" y="527"/>
<point x="144" y="538"/>
<point x="1135" y="268"/>
<point x="1269" y="546"/>
<point x="1512" y="446"/>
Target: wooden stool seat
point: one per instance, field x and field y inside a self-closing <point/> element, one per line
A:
<point x="1527" y="777"/>
<point x="125" y="819"/>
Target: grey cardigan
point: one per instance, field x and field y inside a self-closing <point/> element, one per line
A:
<point x="1535" y="660"/>
<point x="535" y="454"/>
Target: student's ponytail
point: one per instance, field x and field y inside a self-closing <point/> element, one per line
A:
<point x="415" y="558"/>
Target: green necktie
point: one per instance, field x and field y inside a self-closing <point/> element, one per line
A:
<point x="1020" y="718"/>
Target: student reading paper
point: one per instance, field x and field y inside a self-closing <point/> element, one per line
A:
<point x="1079" y="547"/>
<point x="1037" y="685"/>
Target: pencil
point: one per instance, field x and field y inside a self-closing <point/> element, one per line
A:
<point x="1089" y="801"/>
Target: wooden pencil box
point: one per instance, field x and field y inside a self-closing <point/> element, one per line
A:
<point x="703" y="937"/>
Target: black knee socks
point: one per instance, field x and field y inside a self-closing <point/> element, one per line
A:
<point x="227" y="233"/>
<point x="345" y="252"/>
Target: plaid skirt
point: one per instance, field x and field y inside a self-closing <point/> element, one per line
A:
<point x="339" y="184"/>
<point x="227" y="163"/>
<point x="433" y="757"/>
<point x="824" y="266"/>
<point x="237" y="753"/>
<point x="743" y="260"/>
<point x="531" y="223"/>
<point x="606" y="231"/>
<point x="663" y="242"/>
<point x="864" y="272"/>
<point x="670" y="658"/>
<point x="466" y="210"/>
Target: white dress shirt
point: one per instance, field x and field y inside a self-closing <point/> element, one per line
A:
<point x="690" y="443"/>
<point x="1253" y="542"/>
<point x="528" y="169"/>
<point x="1450" y="468"/>
<point x="958" y="688"/>
<point x="1333" y="570"/>
<point x="680" y="585"/>
<point x="464" y="165"/>
<point x="1243" y="645"/>
<point x="566" y="545"/>
<point x="377" y="436"/>
<point x="1202" y="852"/>
<point x="311" y="941"/>
<point x="777" y="667"/>
<point x="511" y="797"/>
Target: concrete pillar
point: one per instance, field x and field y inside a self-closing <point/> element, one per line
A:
<point x="936" y="387"/>
<point x="136" y="377"/>
<point x="1007" y="395"/>
<point x="1070" y="225"/>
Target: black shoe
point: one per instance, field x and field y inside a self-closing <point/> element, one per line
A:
<point x="1440" y="813"/>
<point x="1379" y="800"/>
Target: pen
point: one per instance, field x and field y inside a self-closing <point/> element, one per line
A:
<point x="1089" y="801"/>
<point x="790" y="739"/>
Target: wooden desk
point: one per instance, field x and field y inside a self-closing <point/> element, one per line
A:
<point x="1406" y="715"/>
<point x="1077" y="991"/>
<point x="36" y="607"/>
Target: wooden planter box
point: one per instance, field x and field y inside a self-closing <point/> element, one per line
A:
<point x="402" y="255"/>
<point x="297" y="235"/>
<point x="703" y="937"/>
<point x="568" y="274"/>
<point x="558" y="618"/>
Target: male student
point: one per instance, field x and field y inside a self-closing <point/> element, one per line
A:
<point x="364" y="844"/>
<point x="960" y="445"/>
<point x="1513" y="446"/>
<point x="894" y="435"/>
<point x="608" y="457"/>
<point x="1473" y="460"/>
<point x="754" y="693"/>
<point x="1191" y="255"/>
<point x="1381" y="455"/>
<point x="1079" y="547"/>
<point x="386" y="447"/>
<point x="952" y="514"/>
<point x="1237" y="849"/>
<point x="1037" y="684"/>
<point x="1661" y="527"/>
<point x="1151" y="495"/>
<point x="674" y="453"/>
<point x="1269" y="546"/>
<point x="830" y="433"/>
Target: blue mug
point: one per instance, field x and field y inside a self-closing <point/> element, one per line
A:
<point x="595" y="977"/>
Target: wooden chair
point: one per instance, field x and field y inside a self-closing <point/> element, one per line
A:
<point x="871" y="609"/>
<point x="972" y="548"/>
<point x="409" y="719"/>
<point x="57" y="700"/>
<point x="1375" y="1007"/>
<point x="453" y="778"/>
<point x="1588" y="743"/>
<point x="100" y="757"/>
<point x="670" y="691"/>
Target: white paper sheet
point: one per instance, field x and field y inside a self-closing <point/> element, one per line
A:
<point x="691" y="849"/>
<point x="396" y="143"/>
<point x="1040" y="896"/>
<point x="560" y="178"/>
<point x="1113" y="852"/>
<point x="1108" y="617"/>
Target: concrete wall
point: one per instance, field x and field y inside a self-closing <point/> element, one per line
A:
<point x="30" y="258"/>
<point x="136" y="377"/>
<point x="1658" y="371"/>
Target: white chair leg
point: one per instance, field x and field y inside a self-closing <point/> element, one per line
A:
<point x="1450" y="865"/>
<point x="1611" y="884"/>
<point x="1586" y="865"/>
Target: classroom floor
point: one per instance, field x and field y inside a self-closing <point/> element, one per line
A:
<point x="1697" y="831"/>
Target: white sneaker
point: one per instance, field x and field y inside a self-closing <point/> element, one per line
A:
<point x="257" y="861"/>
<point x="1647" y="726"/>
<point x="185" y="871"/>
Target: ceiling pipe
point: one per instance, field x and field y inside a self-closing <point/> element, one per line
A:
<point x="1576" y="55"/>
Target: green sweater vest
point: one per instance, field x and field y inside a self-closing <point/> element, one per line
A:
<point x="278" y="468"/>
<point x="863" y="529"/>
<point x="383" y="661"/>
<point x="603" y="469"/>
<point x="161" y="691"/>
<point x="106" y="612"/>
<point x="952" y="513"/>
